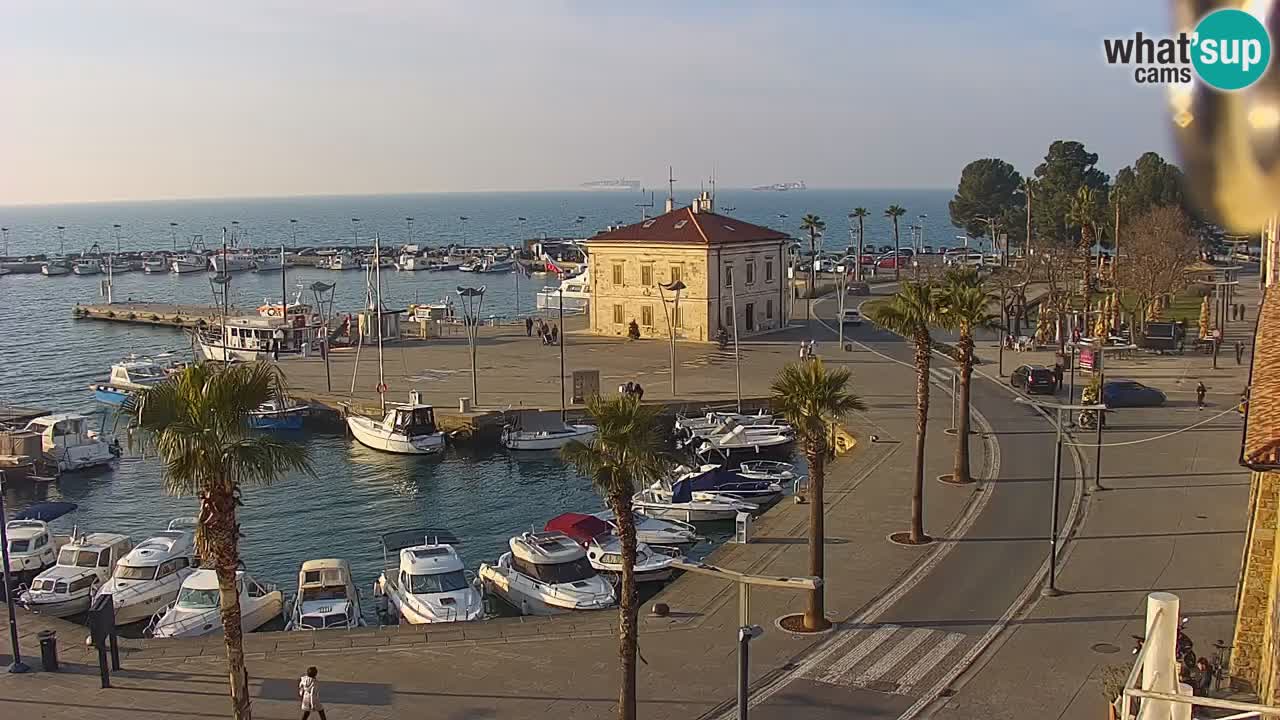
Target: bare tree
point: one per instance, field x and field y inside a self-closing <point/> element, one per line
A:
<point x="1161" y="246"/>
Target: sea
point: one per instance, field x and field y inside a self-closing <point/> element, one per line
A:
<point x="484" y="496"/>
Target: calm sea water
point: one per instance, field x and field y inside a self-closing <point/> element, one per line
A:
<point x="47" y="359"/>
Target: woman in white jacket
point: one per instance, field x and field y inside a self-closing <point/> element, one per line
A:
<point x="309" y="694"/>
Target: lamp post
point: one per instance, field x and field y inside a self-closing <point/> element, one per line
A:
<point x="116" y="228"/>
<point x="5" y="232"/>
<point x="173" y="235"/>
<point x="737" y="358"/>
<point x="355" y="231"/>
<point x="293" y="233"/>
<point x="1051" y="588"/>
<point x="17" y="666"/>
<point x="561" y="339"/>
<point x="674" y="286"/>
<point x="921" y="218"/>
<point x="472" y="302"/>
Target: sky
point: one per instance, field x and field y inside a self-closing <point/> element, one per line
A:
<point x="154" y="99"/>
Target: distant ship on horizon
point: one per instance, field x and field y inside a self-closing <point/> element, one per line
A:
<point x="782" y="186"/>
<point x="619" y="184"/>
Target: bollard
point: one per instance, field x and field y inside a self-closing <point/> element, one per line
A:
<point x="48" y="650"/>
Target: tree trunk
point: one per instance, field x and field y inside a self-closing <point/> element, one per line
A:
<point x="813" y="273"/>
<point x="221" y="532"/>
<point x="922" y="425"/>
<point x="628" y="609"/>
<point x="897" y="258"/>
<point x="815" y="617"/>
<point x="960" y="473"/>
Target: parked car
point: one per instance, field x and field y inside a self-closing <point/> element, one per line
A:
<point x="1130" y="394"/>
<point x="885" y="248"/>
<point x="1033" y="379"/>
<point x="926" y="249"/>
<point x="962" y="259"/>
<point x="851" y="317"/>
<point x="891" y="261"/>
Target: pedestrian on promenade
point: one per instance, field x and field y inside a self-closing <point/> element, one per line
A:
<point x="639" y="389"/>
<point x="1057" y="377"/>
<point x="1200" y="391"/>
<point x="1241" y="311"/>
<point x="307" y="693"/>
<point x="555" y="334"/>
<point x="1239" y="352"/>
<point x="528" y="327"/>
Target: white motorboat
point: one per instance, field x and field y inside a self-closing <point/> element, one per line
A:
<point x="327" y="597"/>
<point x="576" y="290"/>
<point x="546" y="573"/>
<point x="254" y="337"/>
<point x="149" y="577"/>
<point x="679" y="502"/>
<point x="268" y="263"/>
<point x="342" y="260"/>
<point x="655" y="531"/>
<point x="714" y="481"/>
<point x="189" y="263"/>
<point x="423" y="580"/>
<point x="739" y="438"/>
<point x="412" y="263"/>
<point x="230" y="261"/>
<point x="772" y="470"/>
<point x="84" y="564"/>
<point x="408" y="429"/>
<point x="156" y="264"/>
<point x="691" y="424"/>
<point x="729" y="426"/>
<point x="494" y="265"/>
<point x="33" y="547"/>
<point x="87" y="266"/>
<point x="196" y="611"/>
<point x="67" y="441"/>
<point x="127" y="377"/>
<point x="385" y="261"/>
<point x="604" y="551"/>
<point x="56" y="266"/>
<point x="116" y="266"/>
<point x="543" y="431"/>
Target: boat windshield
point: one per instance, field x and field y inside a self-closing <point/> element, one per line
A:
<point x="559" y="573"/>
<point x="196" y="599"/>
<point x="318" y="622"/>
<point x="130" y="572"/>
<point x="59" y="586"/>
<point x="437" y="583"/>
<point x="19" y="546"/>
<point x="70" y="557"/>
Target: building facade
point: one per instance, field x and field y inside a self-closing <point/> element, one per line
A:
<point x="725" y="265"/>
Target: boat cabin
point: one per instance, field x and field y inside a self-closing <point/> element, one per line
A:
<point x="31" y="547"/>
<point x="411" y="420"/>
<point x="258" y="333"/>
<point x="136" y="372"/>
<point x="59" y="432"/>
<point x="325" y="595"/>
<point x="83" y="563"/>
<point x="157" y="557"/>
<point x="550" y="557"/>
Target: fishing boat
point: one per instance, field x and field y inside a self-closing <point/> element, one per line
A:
<point x="156" y="264"/>
<point x="279" y="414"/>
<point x="196" y="611"/>
<point x="494" y="265"/>
<point x="411" y="262"/>
<point x="69" y="444"/>
<point x="604" y="551"/>
<point x="84" y="564"/>
<point x="543" y="431"/>
<point x="678" y="502"/>
<point x="149" y="577"/>
<point x="576" y="291"/>
<point x="58" y="265"/>
<point x="230" y="260"/>
<point x="342" y="260"/>
<point x="127" y="377"/>
<point x="269" y="262"/>
<point x="327" y="597"/>
<point x="254" y="337"/>
<point x="194" y="260"/>
<point x="655" y="531"/>
<point x="87" y="266"/>
<point x="369" y="261"/>
<point x="407" y="429"/>
<point x="423" y="579"/>
<point x="472" y="265"/>
<point x="546" y="573"/>
<point x="33" y="547"/>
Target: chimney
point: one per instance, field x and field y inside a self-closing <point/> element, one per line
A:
<point x="671" y="203"/>
<point x="703" y="203"/>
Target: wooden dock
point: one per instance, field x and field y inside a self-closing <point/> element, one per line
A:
<point x="168" y="314"/>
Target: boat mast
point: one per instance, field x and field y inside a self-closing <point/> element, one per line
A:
<point x="226" y="277"/>
<point x="377" y="274"/>
<point x="563" y="337"/>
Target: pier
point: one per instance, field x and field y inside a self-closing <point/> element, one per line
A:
<point x="145" y="313"/>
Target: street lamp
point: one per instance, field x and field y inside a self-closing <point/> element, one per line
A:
<point x="674" y="286"/>
<point x="293" y="232"/>
<point x="472" y="301"/>
<point x="1051" y="589"/>
<point x="921" y="217"/>
<point x="17" y="666"/>
<point x="355" y="230"/>
<point x="5" y="232"/>
<point x="116" y="226"/>
<point x="173" y="235"/>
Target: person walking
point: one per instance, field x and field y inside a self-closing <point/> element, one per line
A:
<point x="555" y="334"/>
<point x="1239" y="352"/>
<point x="1057" y="377"/>
<point x="308" y="694"/>
<point x="1200" y="391"/>
<point x="528" y="327"/>
<point x="639" y="389"/>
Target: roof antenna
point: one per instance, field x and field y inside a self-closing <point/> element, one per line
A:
<point x="713" y="187"/>
<point x="644" y="207"/>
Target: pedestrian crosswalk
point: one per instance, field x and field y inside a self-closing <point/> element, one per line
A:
<point x="885" y="658"/>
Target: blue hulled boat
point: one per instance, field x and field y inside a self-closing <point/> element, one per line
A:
<point x="279" y="415"/>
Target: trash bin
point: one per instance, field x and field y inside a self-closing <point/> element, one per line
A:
<point x="48" y="650"/>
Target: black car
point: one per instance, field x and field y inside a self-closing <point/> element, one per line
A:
<point x="1033" y="379"/>
<point x="1130" y="394"/>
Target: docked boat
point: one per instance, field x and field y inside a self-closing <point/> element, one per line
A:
<point x="116" y="266"/>
<point x="196" y="611"/>
<point x="493" y="265"/>
<point x="327" y="597"/>
<point x="709" y="481"/>
<point x="604" y="551"/>
<point x="772" y="470"/>
<point x="279" y="414"/>
<point x="268" y="262"/>
<point x="576" y="291"/>
<point x="472" y="265"/>
<point x="410" y="262"/>
<point x="546" y="573"/>
<point x="67" y="442"/>
<point x="56" y="266"/>
<point x="254" y="337"/>
<point x="543" y="431"/>
<point x="385" y="261"/>
<point x="445" y="265"/>
<point x="408" y="429"/>
<point x="733" y="437"/>
<point x="424" y="581"/>
<point x="149" y="577"/>
<point x="230" y="261"/>
<point x="84" y="564"/>
<point x="189" y="263"/>
<point x="656" y="531"/>
<point x="342" y="260"/>
<point x="678" y="502"/>
<point x="127" y="377"/>
<point x="33" y="547"/>
<point x="87" y="266"/>
<point x="695" y="424"/>
<point x="156" y="264"/>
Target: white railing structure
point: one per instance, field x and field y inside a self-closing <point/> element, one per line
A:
<point x="1160" y="695"/>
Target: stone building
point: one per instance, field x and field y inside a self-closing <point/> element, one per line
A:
<point x="722" y="263"/>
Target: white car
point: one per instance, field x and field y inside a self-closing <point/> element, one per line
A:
<point x="851" y="317"/>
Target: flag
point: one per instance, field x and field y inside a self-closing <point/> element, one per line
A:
<point x="552" y="267"/>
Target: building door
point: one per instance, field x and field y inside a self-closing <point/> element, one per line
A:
<point x="751" y="317"/>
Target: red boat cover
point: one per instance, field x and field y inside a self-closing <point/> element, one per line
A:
<point x="582" y="528"/>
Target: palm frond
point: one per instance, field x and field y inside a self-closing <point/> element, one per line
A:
<point x="627" y="450"/>
<point x="811" y="397"/>
<point x="909" y="312"/>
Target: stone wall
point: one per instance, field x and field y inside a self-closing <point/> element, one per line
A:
<point x="1254" y="651"/>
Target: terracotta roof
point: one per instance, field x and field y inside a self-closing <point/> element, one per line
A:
<point x="686" y="227"/>
<point x="1262" y="424"/>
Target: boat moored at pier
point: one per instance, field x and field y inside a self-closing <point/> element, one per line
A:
<point x="327" y="597"/>
<point x="127" y="377"/>
<point x="254" y="337"/>
<point x="67" y="442"/>
<point x="546" y="573"/>
<point x="406" y="429"/>
<point x="423" y="579"/>
<point x="196" y="611"/>
<point x="149" y="577"/>
<point x="84" y="564"/>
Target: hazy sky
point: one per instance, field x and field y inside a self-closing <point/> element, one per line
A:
<point x="158" y="99"/>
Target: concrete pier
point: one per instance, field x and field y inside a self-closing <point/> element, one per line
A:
<point x="179" y="316"/>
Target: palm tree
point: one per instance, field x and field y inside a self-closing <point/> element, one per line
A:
<point x="965" y="306"/>
<point x="814" y="225"/>
<point x="812" y="398"/>
<point x="196" y="424"/>
<point x="860" y="214"/>
<point x="1084" y="215"/>
<point x="626" y="452"/>
<point x="893" y="212"/>
<point x="909" y="313"/>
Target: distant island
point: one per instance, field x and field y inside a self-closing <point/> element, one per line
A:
<point x="619" y="184"/>
<point x="782" y="187"/>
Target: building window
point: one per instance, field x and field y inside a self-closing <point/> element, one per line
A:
<point x="768" y="269"/>
<point x="617" y="273"/>
<point x="617" y="314"/>
<point x="646" y="316"/>
<point x="728" y="276"/>
<point x="646" y="275"/>
<point x="751" y="272"/>
<point x="751" y="317"/>
<point x="768" y="309"/>
<point x="678" y="317"/>
<point x="728" y="316"/>
<point x="677" y="273"/>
